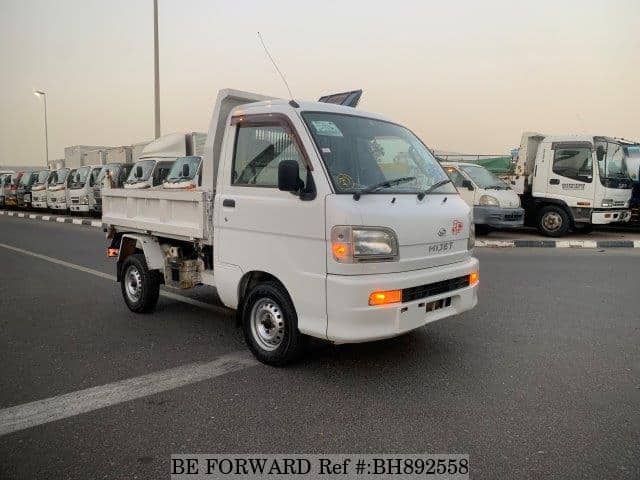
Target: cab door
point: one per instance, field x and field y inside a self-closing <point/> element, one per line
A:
<point x="571" y="173"/>
<point x="261" y="228"/>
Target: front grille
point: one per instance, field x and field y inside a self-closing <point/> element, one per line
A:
<point x="618" y="203"/>
<point x="431" y="289"/>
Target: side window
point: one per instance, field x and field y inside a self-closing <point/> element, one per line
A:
<point x="259" y="150"/>
<point x="574" y="163"/>
<point x="455" y="176"/>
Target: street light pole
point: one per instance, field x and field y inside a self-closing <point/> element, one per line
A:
<point x="156" y="66"/>
<point x="43" y="95"/>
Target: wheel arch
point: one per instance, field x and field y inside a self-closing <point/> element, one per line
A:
<point x="252" y="278"/>
<point x="145" y="244"/>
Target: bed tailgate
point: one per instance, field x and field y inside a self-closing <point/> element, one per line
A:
<point x="173" y="213"/>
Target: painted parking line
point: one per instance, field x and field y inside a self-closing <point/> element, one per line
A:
<point x="97" y="273"/>
<point x="31" y="414"/>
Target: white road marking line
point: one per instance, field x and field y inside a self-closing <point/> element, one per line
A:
<point x="164" y="293"/>
<point x="71" y="404"/>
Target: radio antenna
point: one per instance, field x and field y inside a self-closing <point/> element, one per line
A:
<point x="276" y="66"/>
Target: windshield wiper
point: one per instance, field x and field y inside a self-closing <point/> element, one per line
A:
<point x="421" y="195"/>
<point x="385" y="184"/>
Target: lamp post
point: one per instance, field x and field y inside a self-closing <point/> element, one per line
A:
<point x="156" y="69"/>
<point x="43" y="95"/>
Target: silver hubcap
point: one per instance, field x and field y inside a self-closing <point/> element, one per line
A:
<point x="267" y="324"/>
<point x="552" y="221"/>
<point x="133" y="283"/>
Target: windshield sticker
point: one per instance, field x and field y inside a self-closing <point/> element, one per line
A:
<point x="327" y="128"/>
<point x="326" y="150"/>
<point x="345" y="181"/>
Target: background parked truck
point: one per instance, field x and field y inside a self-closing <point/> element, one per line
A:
<point x="571" y="181"/>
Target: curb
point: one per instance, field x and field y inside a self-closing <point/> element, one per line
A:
<point x="558" y="243"/>
<point x="53" y="218"/>
<point x="479" y="243"/>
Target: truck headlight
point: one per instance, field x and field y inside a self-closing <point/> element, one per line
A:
<point x="606" y="202"/>
<point x="489" y="200"/>
<point x="363" y="244"/>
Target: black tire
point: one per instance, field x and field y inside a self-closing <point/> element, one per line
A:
<point x="271" y="301"/>
<point x="143" y="296"/>
<point x="553" y="221"/>
<point x="584" y="228"/>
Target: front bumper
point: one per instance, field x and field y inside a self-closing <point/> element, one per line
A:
<point x="603" y="217"/>
<point x="58" y="206"/>
<point x="351" y="319"/>
<point x="39" y="204"/>
<point x="77" y="207"/>
<point x="498" y="217"/>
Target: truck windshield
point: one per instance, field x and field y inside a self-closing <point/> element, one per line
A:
<point x="633" y="162"/>
<point x="178" y="171"/>
<point x="147" y="168"/>
<point x="42" y="177"/>
<point x="80" y="178"/>
<point x="484" y="178"/>
<point x="612" y="164"/>
<point x="95" y="175"/>
<point x="62" y="176"/>
<point x="114" y="168"/>
<point x="26" y="179"/>
<point x="363" y="152"/>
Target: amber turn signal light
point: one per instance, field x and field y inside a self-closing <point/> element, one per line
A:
<point x="385" y="297"/>
<point x="474" y="277"/>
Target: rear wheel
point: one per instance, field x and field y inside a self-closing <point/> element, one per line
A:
<point x="553" y="221"/>
<point x="270" y="325"/>
<point x="140" y="286"/>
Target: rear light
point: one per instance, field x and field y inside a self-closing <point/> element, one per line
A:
<point x="385" y="297"/>
<point x="113" y="252"/>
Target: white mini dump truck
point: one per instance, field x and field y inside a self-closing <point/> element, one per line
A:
<point x="572" y="182"/>
<point x="303" y="226"/>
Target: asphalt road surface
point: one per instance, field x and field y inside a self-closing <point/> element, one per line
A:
<point x="541" y="380"/>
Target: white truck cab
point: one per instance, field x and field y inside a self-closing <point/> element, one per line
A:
<point x="185" y="173"/>
<point x="81" y="189"/>
<point x="572" y="181"/>
<point x="494" y="203"/>
<point x="147" y="173"/>
<point x="39" y="190"/>
<point x="57" y="189"/>
<point x="312" y="219"/>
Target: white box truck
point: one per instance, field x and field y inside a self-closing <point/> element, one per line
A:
<point x="571" y="182"/>
<point x="303" y="225"/>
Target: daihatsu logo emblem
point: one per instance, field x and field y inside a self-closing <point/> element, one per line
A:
<point x="442" y="232"/>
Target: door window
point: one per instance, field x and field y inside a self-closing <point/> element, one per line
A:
<point x="455" y="176"/>
<point x="258" y="152"/>
<point x="575" y="163"/>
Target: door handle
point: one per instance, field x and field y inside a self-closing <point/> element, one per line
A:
<point x="229" y="202"/>
<point x="554" y="181"/>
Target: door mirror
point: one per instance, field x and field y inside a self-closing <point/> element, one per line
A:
<point x="600" y="153"/>
<point x="185" y="170"/>
<point x="468" y="185"/>
<point x="289" y="176"/>
<point x="138" y="171"/>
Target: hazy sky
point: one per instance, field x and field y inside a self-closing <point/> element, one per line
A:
<point x="467" y="76"/>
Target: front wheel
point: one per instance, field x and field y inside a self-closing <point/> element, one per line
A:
<point x="140" y="286"/>
<point x="553" y="221"/>
<point x="270" y="325"/>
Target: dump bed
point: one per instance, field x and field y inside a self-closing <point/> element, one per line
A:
<point x="182" y="214"/>
<point x="175" y="214"/>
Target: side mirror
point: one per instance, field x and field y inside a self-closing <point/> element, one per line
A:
<point x="289" y="176"/>
<point x="138" y="171"/>
<point x="185" y="170"/>
<point x="468" y="185"/>
<point x="600" y="153"/>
